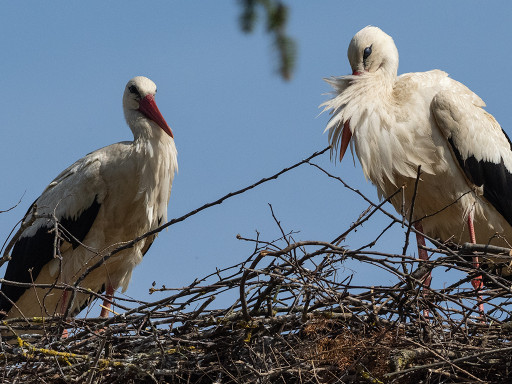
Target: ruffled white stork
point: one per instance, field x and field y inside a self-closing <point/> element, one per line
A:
<point x="397" y="123"/>
<point x="108" y="197"/>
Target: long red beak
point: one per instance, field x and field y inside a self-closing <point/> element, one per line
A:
<point x="148" y="107"/>
<point x="347" y="133"/>
<point x="345" y="138"/>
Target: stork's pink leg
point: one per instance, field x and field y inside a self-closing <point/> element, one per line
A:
<point x="63" y="305"/>
<point x="423" y="255"/>
<point x="106" y="303"/>
<point x="63" y="302"/>
<point x="477" y="281"/>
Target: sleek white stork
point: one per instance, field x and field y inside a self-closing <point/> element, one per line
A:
<point x="397" y="123"/>
<point x="106" y="198"/>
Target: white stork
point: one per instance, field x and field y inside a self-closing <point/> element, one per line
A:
<point x="426" y="119"/>
<point x="106" y="198"/>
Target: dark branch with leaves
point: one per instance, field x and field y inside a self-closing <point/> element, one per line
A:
<point x="276" y="19"/>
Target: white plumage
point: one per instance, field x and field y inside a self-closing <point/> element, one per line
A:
<point x="398" y="123"/>
<point x="108" y="197"/>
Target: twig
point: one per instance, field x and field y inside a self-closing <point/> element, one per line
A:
<point x="184" y="217"/>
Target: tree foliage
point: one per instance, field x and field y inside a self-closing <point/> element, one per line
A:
<point x="276" y="18"/>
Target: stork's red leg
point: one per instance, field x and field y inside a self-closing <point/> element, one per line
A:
<point x="63" y="302"/>
<point x="63" y="305"/>
<point x="106" y="303"/>
<point x="477" y="281"/>
<point x="423" y="255"/>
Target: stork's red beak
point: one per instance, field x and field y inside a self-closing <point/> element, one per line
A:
<point x="346" y="135"/>
<point x="148" y="107"/>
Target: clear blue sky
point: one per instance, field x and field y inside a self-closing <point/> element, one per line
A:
<point x="65" y="64"/>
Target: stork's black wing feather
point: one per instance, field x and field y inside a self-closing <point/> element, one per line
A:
<point x="31" y="253"/>
<point x="494" y="178"/>
<point x="478" y="143"/>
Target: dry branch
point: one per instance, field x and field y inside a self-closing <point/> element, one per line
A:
<point x="294" y="314"/>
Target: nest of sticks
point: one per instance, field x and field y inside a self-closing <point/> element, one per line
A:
<point x="294" y="315"/>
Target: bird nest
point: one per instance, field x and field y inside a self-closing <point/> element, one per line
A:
<point x="291" y="312"/>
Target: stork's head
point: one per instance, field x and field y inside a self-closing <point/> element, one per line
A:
<point x="372" y="55"/>
<point x="140" y="110"/>
<point x="372" y="50"/>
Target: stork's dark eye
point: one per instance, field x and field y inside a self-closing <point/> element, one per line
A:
<point x="133" y="89"/>
<point x="367" y="52"/>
